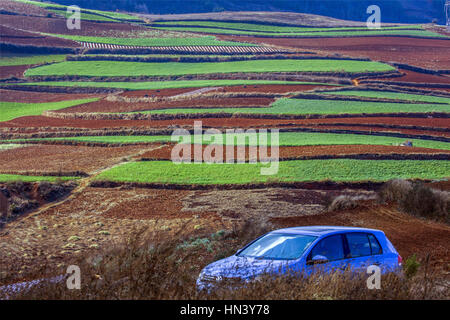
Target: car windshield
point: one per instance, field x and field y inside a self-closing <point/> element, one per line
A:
<point x="278" y="246"/>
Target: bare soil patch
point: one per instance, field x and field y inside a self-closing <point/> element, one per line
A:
<point x="37" y="97"/>
<point x="13" y="71"/>
<point x="62" y="158"/>
<point x="426" y="53"/>
<point x="19" y="37"/>
<point x="109" y="106"/>
<point x="164" y="152"/>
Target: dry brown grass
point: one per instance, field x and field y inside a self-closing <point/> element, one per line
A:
<point x="160" y="267"/>
<point x="417" y="199"/>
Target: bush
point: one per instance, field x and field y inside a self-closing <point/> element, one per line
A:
<point x="417" y="199"/>
<point x="411" y="266"/>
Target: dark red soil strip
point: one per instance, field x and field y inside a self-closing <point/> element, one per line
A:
<point x="38" y="97"/>
<point x="426" y="53"/>
<point x="108" y="106"/>
<point x="43" y="122"/>
<point x="320" y="152"/>
<point x="269" y="88"/>
<point x="13" y="71"/>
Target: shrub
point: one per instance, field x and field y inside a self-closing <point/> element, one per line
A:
<point x="411" y="266"/>
<point x="417" y="199"/>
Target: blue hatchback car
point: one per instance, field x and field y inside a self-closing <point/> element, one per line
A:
<point x="305" y="250"/>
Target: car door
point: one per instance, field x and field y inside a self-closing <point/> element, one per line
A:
<point x="360" y="251"/>
<point x="331" y="247"/>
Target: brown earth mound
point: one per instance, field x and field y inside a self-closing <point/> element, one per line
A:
<point x="425" y="53"/>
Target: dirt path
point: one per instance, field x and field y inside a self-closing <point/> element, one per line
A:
<point x="83" y="183"/>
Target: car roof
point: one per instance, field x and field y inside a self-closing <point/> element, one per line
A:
<point x="322" y="230"/>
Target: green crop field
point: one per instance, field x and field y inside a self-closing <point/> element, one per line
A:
<point x="12" y="110"/>
<point x="156" y="42"/>
<point x="289" y="171"/>
<point x="307" y="106"/>
<point x="322" y="33"/>
<point x="267" y="27"/>
<point x="17" y="59"/>
<point x="392" y="95"/>
<point x="156" y="85"/>
<point x="58" y="7"/>
<point x="285" y="139"/>
<point x="120" y="68"/>
<point x="23" y="178"/>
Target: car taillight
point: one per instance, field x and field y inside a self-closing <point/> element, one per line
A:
<point x="400" y="260"/>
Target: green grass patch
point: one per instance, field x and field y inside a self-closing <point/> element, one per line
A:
<point x="23" y="178"/>
<point x="156" y="85"/>
<point x="289" y="171"/>
<point x="24" y="59"/>
<point x="306" y="106"/>
<point x="12" y="110"/>
<point x="156" y="42"/>
<point x="285" y="139"/>
<point x="392" y="95"/>
<point x="121" y="68"/>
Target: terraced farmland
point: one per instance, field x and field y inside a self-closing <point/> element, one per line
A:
<point x="289" y="171"/>
<point x="118" y="68"/>
<point x="87" y="117"/>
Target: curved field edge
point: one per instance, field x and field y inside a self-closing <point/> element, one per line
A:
<point x="156" y="85"/>
<point x="287" y="171"/>
<point x="285" y="139"/>
<point x="155" y="42"/>
<point x="12" y="110"/>
<point x="288" y="106"/>
<point x="389" y="95"/>
<point x="125" y="68"/>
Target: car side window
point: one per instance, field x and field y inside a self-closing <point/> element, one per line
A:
<point x="358" y="244"/>
<point x="375" y="245"/>
<point x="330" y="247"/>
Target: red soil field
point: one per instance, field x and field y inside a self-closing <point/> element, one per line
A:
<point x="22" y="8"/>
<point x="417" y="77"/>
<point x="58" y="25"/>
<point x="37" y="97"/>
<point x="108" y="106"/>
<point x="164" y="153"/>
<point x="12" y="36"/>
<point x="62" y="158"/>
<point x="41" y="121"/>
<point x="266" y="88"/>
<point x="13" y="71"/>
<point x="426" y="53"/>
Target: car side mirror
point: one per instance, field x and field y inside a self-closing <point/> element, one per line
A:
<point x="318" y="259"/>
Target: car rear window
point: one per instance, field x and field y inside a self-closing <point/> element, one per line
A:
<point x="331" y="247"/>
<point x="358" y="244"/>
<point x="375" y="245"/>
